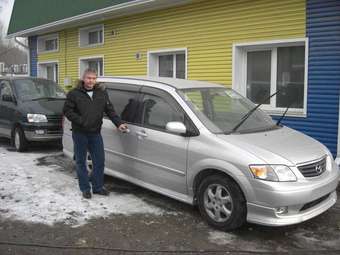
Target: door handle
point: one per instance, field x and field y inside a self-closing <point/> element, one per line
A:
<point x="141" y="134"/>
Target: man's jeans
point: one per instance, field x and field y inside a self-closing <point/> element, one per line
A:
<point x="92" y="143"/>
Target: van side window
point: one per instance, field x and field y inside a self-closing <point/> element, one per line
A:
<point x="5" y="89"/>
<point x="125" y="104"/>
<point x="157" y="112"/>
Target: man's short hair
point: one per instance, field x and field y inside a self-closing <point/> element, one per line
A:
<point x="89" y="71"/>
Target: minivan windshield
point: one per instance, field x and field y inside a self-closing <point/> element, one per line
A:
<point x="222" y="109"/>
<point x="36" y="89"/>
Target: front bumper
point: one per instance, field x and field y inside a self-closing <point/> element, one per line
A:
<point x="302" y="201"/>
<point x="46" y="132"/>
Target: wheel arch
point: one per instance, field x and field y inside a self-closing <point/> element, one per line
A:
<point x="224" y="169"/>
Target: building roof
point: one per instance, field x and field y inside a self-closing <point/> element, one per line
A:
<point x="44" y="16"/>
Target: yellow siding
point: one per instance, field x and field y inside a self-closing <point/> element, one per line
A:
<point x="207" y="29"/>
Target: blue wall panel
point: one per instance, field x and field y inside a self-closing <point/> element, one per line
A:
<point x="33" y="44"/>
<point x="323" y="31"/>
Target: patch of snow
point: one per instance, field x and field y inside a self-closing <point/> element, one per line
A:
<point x="42" y="194"/>
<point x="221" y="238"/>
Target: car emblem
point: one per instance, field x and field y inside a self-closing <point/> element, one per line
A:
<point x="318" y="169"/>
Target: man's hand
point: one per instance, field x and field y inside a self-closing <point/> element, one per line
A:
<point x="123" y="128"/>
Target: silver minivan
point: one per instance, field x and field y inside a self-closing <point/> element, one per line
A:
<point x="206" y="145"/>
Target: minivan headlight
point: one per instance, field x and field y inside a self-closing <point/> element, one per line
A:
<point x="275" y="173"/>
<point x="32" y="117"/>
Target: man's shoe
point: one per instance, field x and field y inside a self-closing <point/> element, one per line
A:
<point x="87" y="194"/>
<point x="103" y="192"/>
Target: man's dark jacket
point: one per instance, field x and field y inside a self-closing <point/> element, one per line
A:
<point x="86" y="114"/>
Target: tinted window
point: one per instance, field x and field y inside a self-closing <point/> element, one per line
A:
<point x="156" y="112"/>
<point x="125" y="104"/>
<point x="5" y="88"/>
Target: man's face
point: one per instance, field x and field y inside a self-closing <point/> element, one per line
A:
<point x="89" y="80"/>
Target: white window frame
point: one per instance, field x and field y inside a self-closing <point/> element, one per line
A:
<point x="239" y="71"/>
<point x="41" y="43"/>
<point x="42" y="72"/>
<point x="153" y="60"/>
<point x="87" y="58"/>
<point x="85" y="31"/>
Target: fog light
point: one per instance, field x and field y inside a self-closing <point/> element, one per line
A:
<point x="281" y="210"/>
<point x="40" y="131"/>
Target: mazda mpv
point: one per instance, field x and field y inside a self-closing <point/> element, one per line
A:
<point x="206" y="145"/>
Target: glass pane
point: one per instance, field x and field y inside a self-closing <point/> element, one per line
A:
<point x="51" y="44"/>
<point x="222" y="109"/>
<point x="50" y="72"/>
<point x="157" y="112"/>
<point x="28" y="89"/>
<point x="290" y="76"/>
<point x="93" y="64"/>
<point x="166" y="66"/>
<point x="125" y="104"/>
<point x="93" y="37"/>
<point x="258" y="76"/>
<point x="180" y="66"/>
<point x="5" y="89"/>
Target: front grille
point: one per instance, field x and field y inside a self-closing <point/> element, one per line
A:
<point x="54" y="118"/>
<point x="55" y="132"/>
<point x="314" y="203"/>
<point x="313" y="169"/>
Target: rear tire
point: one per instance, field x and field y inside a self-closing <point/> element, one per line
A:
<point x="19" y="140"/>
<point x="221" y="202"/>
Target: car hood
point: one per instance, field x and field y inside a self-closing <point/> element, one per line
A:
<point x="281" y="146"/>
<point x="44" y="106"/>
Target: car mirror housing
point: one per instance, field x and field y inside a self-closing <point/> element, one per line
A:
<point x="176" y="127"/>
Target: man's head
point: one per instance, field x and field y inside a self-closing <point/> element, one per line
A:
<point x="89" y="78"/>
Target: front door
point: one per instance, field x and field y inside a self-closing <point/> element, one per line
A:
<point x="7" y="108"/>
<point x="162" y="156"/>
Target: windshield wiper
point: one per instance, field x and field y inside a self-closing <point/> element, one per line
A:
<point x="284" y="114"/>
<point x="247" y="115"/>
<point x="48" y="98"/>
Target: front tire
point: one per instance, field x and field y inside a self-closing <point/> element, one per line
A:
<point x="221" y="202"/>
<point x="19" y="140"/>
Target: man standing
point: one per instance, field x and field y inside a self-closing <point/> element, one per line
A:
<point x="84" y="107"/>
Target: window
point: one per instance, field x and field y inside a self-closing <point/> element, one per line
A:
<point x="156" y="112"/>
<point x="48" y="70"/>
<point x="125" y="104"/>
<point x="91" y="36"/>
<point x="5" y="89"/>
<point x="48" y="43"/>
<point x="95" y="63"/>
<point x="263" y="69"/>
<point x="168" y="64"/>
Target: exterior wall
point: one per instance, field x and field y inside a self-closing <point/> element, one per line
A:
<point x="323" y="31"/>
<point x="32" y="44"/>
<point x="207" y="29"/>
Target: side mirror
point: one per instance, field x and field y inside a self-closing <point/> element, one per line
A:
<point x="8" y="98"/>
<point x="176" y="127"/>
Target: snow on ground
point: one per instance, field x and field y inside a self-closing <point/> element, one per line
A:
<point x="42" y="194"/>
